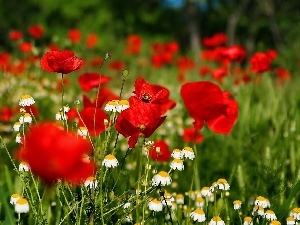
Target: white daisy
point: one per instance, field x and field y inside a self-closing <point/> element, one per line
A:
<point x="155" y="205"/>
<point x="216" y="220"/>
<point x="91" y="182"/>
<point x="198" y="215"/>
<point x="188" y="152"/>
<point x="26" y="118"/>
<point x="177" y="154"/>
<point x="248" y="221"/>
<point x="26" y="100"/>
<point x="237" y="204"/>
<point x="24" y="167"/>
<point x="21" y="206"/>
<point x="14" y="198"/>
<point x="110" y="161"/>
<point x="177" y="164"/>
<point x="162" y="178"/>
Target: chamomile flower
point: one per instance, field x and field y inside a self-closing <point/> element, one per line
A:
<point x="155" y="205"/>
<point x="14" y="198"/>
<point x="91" y="182"/>
<point x="126" y="205"/>
<point x="262" y="201"/>
<point x="111" y="106"/>
<point x="270" y="215"/>
<point x="26" y="118"/>
<point x="26" y="100"/>
<point x="237" y="204"/>
<point x="295" y="213"/>
<point x="198" y="215"/>
<point x="258" y="210"/>
<point x="275" y="222"/>
<point x="223" y="184"/>
<point x="167" y="199"/>
<point x="188" y="152"/>
<point x="110" y="161"/>
<point x="122" y="105"/>
<point x="216" y="220"/>
<point x="179" y="199"/>
<point x="248" y="221"/>
<point x="23" y="166"/>
<point x="290" y="221"/>
<point x="177" y="154"/>
<point x="60" y="115"/>
<point x="177" y="164"/>
<point x="18" y="138"/>
<point x="22" y="206"/>
<point x="162" y="178"/>
<point x="82" y="131"/>
<point x="199" y="202"/>
<point x="205" y="192"/>
<point x="17" y="126"/>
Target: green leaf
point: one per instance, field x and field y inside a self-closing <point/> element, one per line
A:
<point x="9" y="212"/>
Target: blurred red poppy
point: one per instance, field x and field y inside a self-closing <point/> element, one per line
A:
<point x="219" y="73"/>
<point x="204" y="70"/>
<point x="93" y="119"/>
<point x="138" y="119"/>
<point x="215" y="40"/>
<point x="206" y="103"/>
<point x="52" y="154"/>
<point x="163" y="154"/>
<point x="15" y="35"/>
<point x="185" y="63"/>
<point x="25" y="47"/>
<point x="4" y="60"/>
<point x="134" y="43"/>
<point x="260" y="62"/>
<point x="272" y="54"/>
<point x="91" y="40"/>
<point x="6" y="114"/>
<point x="88" y="81"/>
<point x="116" y="65"/>
<point x="282" y="73"/>
<point x="154" y="94"/>
<point x="234" y="53"/>
<point x="74" y="35"/>
<point x="36" y="31"/>
<point x="60" y="62"/>
<point x="191" y="134"/>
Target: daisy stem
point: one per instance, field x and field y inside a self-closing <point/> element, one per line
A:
<point x="62" y="101"/>
<point x="240" y="217"/>
<point x="37" y="192"/>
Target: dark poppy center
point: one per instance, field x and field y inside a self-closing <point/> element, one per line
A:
<point x="142" y="126"/>
<point x="146" y="97"/>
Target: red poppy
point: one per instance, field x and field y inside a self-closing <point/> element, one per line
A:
<point x="74" y="35"/>
<point x="52" y="154"/>
<point x="219" y="73"/>
<point x="4" y="60"/>
<point x="91" y="40"/>
<point x="53" y="47"/>
<point x="139" y="119"/>
<point x="116" y="65"/>
<point x="234" y="53"/>
<point x="190" y="134"/>
<point x="164" y="153"/>
<point x="36" y="31"/>
<point x="134" y="43"/>
<point x="260" y="62"/>
<point x="171" y="47"/>
<point x="88" y="81"/>
<point x="25" y="47"/>
<point x="272" y="54"/>
<point x="60" y="62"/>
<point x="206" y="103"/>
<point x="185" y="63"/>
<point x="215" y="40"/>
<point x="15" y="35"/>
<point x="95" y="62"/>
<point x="154" y="94"/>
<point x="157" y="60"/>
<point x="93" y="119"/>
<point x="204" y="70"/>
<point x="6" y="114"/>
<point x="282" y="73"/>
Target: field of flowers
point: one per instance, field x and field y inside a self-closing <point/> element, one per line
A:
<point x="140" y="133"/>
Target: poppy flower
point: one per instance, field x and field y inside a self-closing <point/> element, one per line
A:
<point x="116" y="65"/>
<point x="60" y="62"/>
<point x="185" y="63"/>
<point x="282" y="73"/>
<point x="157" y="60"/>
<point x="215" y="40"/>
<point x="52" y="154"/>
<point x="88" y="81"/>
<point x="154" y="94"/>
<point x="206" y="103"/>
<point x="160" y="151"/>
<point x="91" y="40"/>
<point x="134" y="43"/>
<point x="190" y="134"/>
<point x="93" y="119"/>
<point x="204" y="70"/>
<point x="219" y="73"/>
<point x="138" y="119"/>
<point x="6" y="114"/>
<point x="36" y="31"/>
<point x="25" y="47"/>
<point x="74" y="35"/>
<point x="15" y="35"/>
<point x="260" y="62"/>
<point x="234" y="53"/>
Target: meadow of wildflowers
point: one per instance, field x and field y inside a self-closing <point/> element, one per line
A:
<point x="143" y="134"/>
